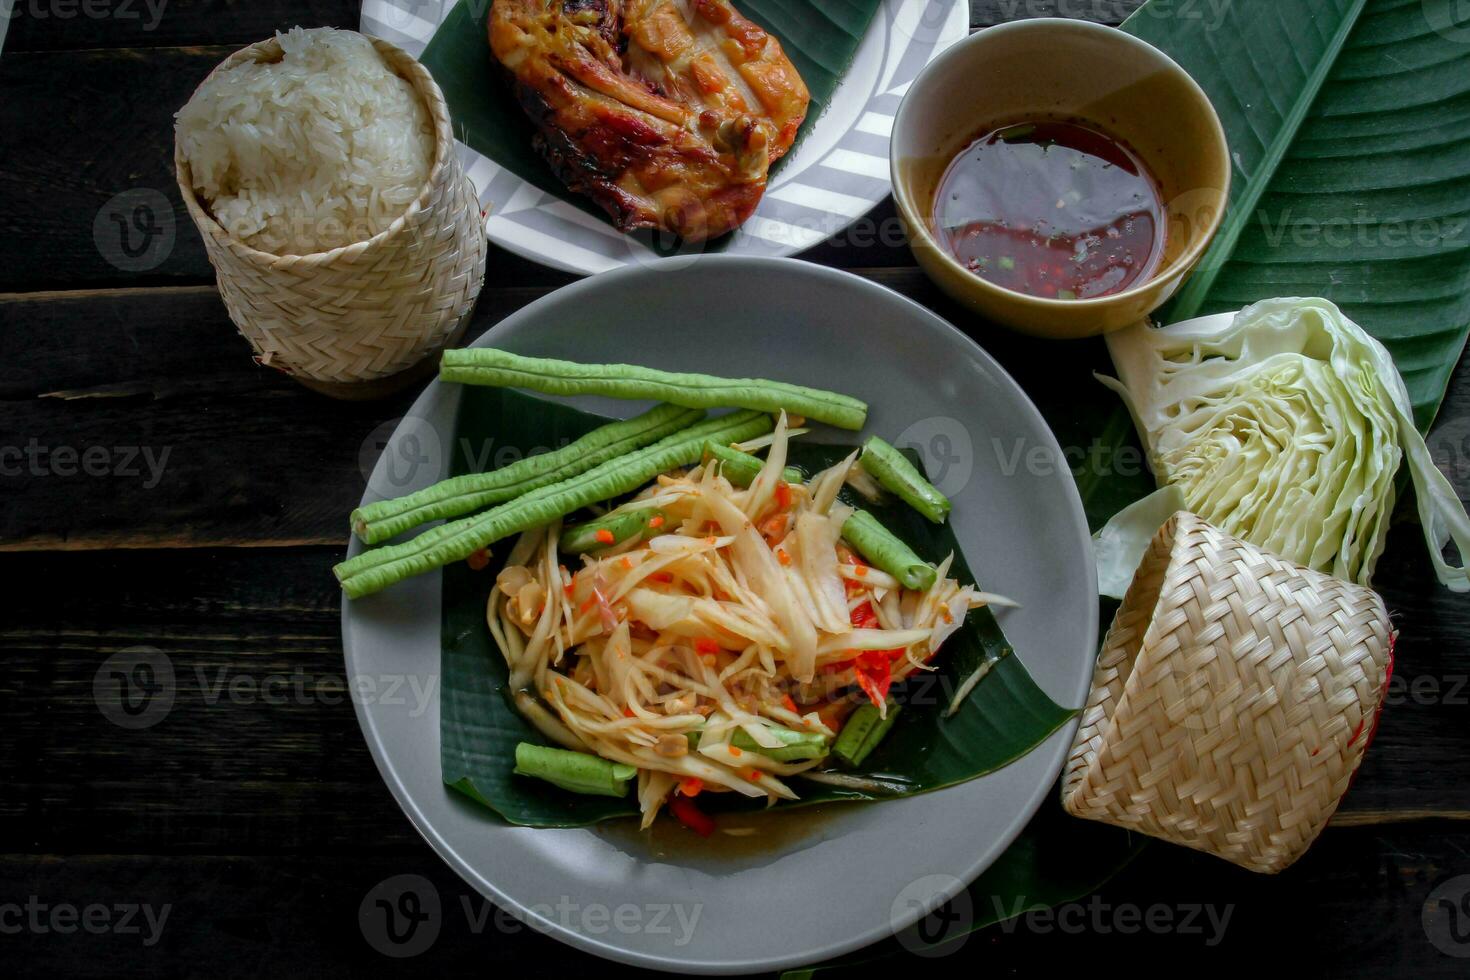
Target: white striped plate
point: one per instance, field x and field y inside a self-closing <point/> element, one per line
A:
<point x="835" y="175"/>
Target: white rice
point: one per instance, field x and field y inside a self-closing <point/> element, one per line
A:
<point x="324" y="148"/>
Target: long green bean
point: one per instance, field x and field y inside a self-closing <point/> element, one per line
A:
<point x="881" y="547"/>
<point x="740" y="468"/>
<point x="795" y="746"/>
<point x="613" y="529"/>
<point x="474" y="491"/>
<point x="578" y="772"/>
<point x="375" y="570"/>
<point x="892" y="469"/>
<point x="498" y="368"/>
<point x="862" y="733"/>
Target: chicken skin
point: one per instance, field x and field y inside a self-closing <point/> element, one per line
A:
<point x="667" y="113"/>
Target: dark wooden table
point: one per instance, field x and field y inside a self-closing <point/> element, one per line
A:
<point x="159" y="490"/>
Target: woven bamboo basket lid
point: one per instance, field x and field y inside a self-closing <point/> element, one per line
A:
<point x="361" y="320"/>
<point x="1233" y="699"/>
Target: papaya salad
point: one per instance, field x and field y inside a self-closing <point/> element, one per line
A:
<point x="730" y="624"/>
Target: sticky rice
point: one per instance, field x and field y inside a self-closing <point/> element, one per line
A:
<point x="323" y="148"/>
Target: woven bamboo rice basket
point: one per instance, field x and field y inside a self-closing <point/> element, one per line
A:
<point x="362" y="320"/>
<point x="1233" y="699"/>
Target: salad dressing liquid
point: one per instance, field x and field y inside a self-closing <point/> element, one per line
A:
<point x="757" y="834"/>
<point x="1059" y="210"/>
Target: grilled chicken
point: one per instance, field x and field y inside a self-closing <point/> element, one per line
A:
<point x="667" y="113"/>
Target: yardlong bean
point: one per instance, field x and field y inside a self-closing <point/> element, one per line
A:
<point x="883" y="548"/>
<point x="466" y="494"/>
<point x="863" y="731"/>
<point x="498" y="368"/>
<point x="892" y="469"/>
<point x="579" y="772"/>
<point x="375" y="570"/>
<point x="740" y="468"/>
<point x="795" y="746"/>
<point x="613" y="529"/>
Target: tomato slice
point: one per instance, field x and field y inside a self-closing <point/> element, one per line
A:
<point x="863" y="616"/>
<point x="874" y="668"/>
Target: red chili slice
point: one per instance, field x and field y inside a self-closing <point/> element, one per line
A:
<point x="874" y="671"/>
<point x="690" y="815"/>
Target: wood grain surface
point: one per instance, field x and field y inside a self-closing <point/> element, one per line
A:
<point x="161" y="490"/>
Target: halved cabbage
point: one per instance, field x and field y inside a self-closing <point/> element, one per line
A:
<point x="1283" y="425"/>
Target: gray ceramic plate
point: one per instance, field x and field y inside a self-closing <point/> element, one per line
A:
<point x="811" y="884"/>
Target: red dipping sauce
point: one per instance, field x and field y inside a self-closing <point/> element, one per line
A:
<point x="1058" y="210"/>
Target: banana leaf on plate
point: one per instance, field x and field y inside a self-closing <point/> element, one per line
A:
<point x="1005" y="715"/>
<point x="820" y="38"/>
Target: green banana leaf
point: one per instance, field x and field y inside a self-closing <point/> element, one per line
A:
<point x="820" y="38"/>
<point x="1004" y="717"/>
<point x="1347" y="120"/>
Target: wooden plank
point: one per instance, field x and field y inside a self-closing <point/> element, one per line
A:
<point x="165" y="371"/>
<point x="1360" y="896"/>
<point x="137" y="418"/>
<point x="252" y="741"/>
<point x="249" y="916"/>
<point x="89" y="344"/>
<point x="82" y="128"/>
<point x="304" y="915"/>
<point x="156" y="385"/>
<point x="64" y="185"/>
<point x="251" y="768"/>
<point x="54" y="25"/>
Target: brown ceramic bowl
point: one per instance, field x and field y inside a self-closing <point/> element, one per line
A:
<point x="1063" y="69"/>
